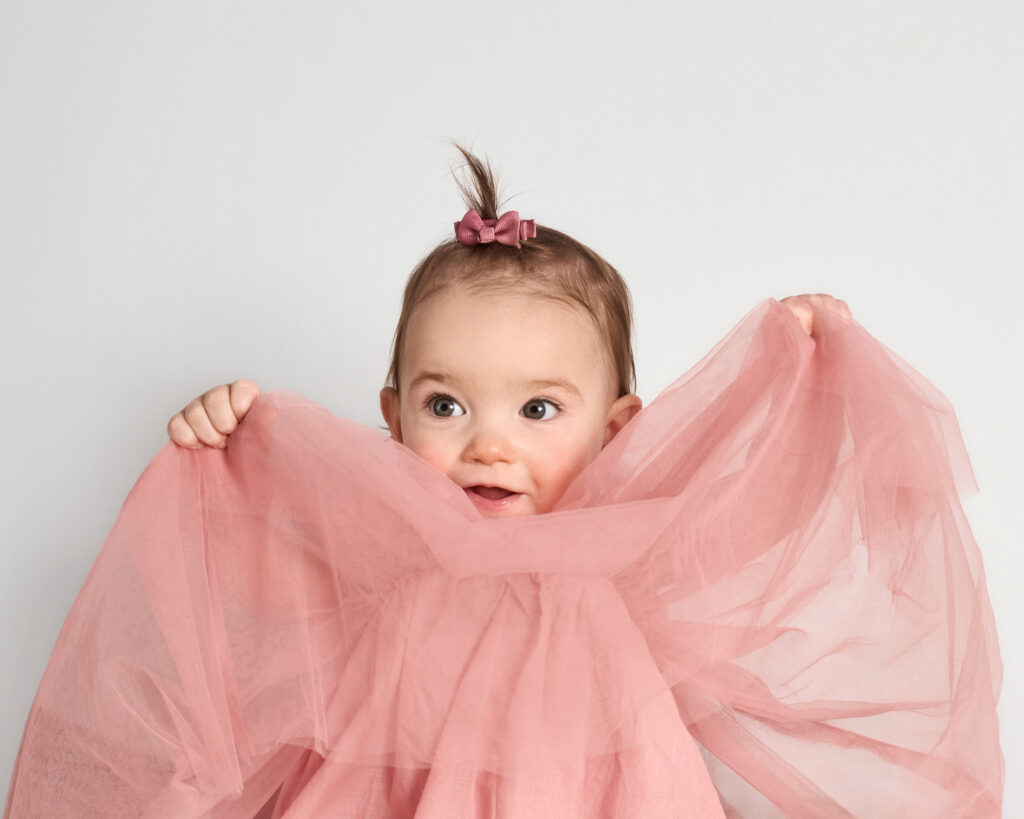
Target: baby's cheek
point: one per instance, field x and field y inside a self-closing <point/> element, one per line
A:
<point x="437" y="456"/>
<point x="563" y="466"/>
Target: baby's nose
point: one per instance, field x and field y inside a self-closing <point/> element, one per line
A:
<point x="489" y="445"/>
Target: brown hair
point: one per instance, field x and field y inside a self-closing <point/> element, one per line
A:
<point x="553" y="265"/>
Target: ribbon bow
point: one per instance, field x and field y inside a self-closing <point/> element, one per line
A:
<point x="508" y="229"/>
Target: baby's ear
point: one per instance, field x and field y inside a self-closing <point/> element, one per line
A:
<point x="390" y="409"/>
<point x="620" y="414"/>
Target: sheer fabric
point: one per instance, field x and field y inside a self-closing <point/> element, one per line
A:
<point x="761" y="599"/>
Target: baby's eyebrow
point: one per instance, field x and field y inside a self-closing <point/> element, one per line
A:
<point x="545" y="383"/>
<point x="431" y="376"/>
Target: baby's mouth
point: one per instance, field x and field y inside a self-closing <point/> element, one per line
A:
<point x="496" y="501"/>
<point x="491" y="493"/>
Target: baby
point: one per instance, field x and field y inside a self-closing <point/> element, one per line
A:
<point x="512" y="363"/>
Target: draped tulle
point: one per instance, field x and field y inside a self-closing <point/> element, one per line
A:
<point x="762" y="598"/>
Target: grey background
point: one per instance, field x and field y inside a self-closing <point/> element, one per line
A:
<point x="196" y="192"/>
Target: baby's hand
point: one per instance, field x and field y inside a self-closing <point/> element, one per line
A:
<point x="210" y="418"/>
<point x="805" y="305"/>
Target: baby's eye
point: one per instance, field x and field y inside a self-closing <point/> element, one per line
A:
<point x="540" y="409"/>
<point x="444" y="406"/>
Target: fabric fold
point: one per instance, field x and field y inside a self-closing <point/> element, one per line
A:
<point x="763" y="598"/>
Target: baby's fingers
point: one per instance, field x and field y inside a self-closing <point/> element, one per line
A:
<point x="824" y="302"/>
<point x="241" y="394"/>
<point x="181" y="433"/>
<point x="803" y="312"/>
<point x="210" y="418"/>
<point x="844" y="309"/>
<point x="806" y="305"/>
<point x="199" y="419"/>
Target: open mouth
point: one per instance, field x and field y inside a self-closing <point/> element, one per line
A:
<point x="491" y="493"/>
<point x="493" y="500"/>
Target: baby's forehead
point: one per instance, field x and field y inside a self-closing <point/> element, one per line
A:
<point x="502" y="336"/>
<point x="502" y="310"/>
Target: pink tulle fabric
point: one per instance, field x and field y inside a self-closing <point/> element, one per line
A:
<point x="762" y="599"/>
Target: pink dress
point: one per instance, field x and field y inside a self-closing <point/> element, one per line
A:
<point x="762" y="599"/>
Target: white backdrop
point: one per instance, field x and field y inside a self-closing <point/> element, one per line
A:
<point x="196" y="192"/>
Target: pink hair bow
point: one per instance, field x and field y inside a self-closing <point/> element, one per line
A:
<point x="508" y="229"/>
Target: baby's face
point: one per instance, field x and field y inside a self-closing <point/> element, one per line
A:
<point x="509" y="395"/>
